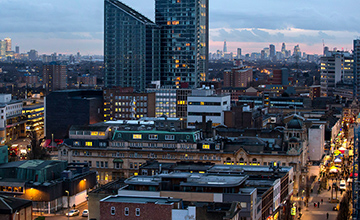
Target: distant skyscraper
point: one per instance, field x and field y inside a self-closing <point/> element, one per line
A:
<point x="297" y="52"/>
<point x="357" y="68"/>
<point x="184" y="40"/>
<point x="272" y="51"/>
<point x="239" y="53"/>
<point x="33" y="55"/>
<point x="131" y="47"/>
<point x="2" y="48"/>
<point x="54" y="77"/>
<point x="17" y="49"/>
<point x="225" y="47"/>
<point x="8" y="44"/>
<point x="283" y="49"/>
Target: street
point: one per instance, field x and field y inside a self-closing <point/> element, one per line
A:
<point x="61" y="214"/>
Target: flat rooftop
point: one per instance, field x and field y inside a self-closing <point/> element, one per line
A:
<point x="142" y="200"/>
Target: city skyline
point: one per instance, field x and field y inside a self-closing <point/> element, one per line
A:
<point x="62" y="27"/>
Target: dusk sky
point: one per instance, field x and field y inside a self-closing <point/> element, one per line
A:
<point x="68" y="26"/>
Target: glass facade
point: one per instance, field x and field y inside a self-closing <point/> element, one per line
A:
<point x="184" y="40"/>
<point x="131" y="47"/>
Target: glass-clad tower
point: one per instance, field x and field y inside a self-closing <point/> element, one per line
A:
<point x="184" y="40"/>
<point x="356" y="52"/>
<point x="131" y="47"/>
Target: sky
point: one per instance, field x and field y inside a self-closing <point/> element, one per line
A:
<point x="69" y="26"/>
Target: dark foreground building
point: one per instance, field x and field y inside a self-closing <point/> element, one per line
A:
<point x="71" y="107"/>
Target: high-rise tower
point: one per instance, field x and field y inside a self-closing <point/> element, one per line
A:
<point x="357" y="69"/>
<point x="225" y="46"/>
<point x="131" y="47"/>
<point x="8" y="44"/>
<point x="184" y="40"/>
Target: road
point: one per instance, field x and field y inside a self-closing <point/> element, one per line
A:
<point x="61" y="214"/>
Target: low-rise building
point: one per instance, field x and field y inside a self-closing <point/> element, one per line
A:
<point x="15" y="208"/>
<point x="203" y="104"/>
<point x="50" y="185"/>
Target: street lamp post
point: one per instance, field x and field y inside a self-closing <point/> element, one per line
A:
<point x="67" y="192"/>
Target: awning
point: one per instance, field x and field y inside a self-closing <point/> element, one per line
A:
<point x="118" y="161"/>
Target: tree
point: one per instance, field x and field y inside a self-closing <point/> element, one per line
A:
<point x="37" y="152"/>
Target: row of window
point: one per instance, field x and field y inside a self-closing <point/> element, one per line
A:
<point x="126" y="211"/>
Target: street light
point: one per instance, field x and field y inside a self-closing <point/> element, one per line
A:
<point x="67" y="192"/>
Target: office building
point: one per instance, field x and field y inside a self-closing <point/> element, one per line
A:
<point x="33" y="113"/>
<point x="334" y="69"/>
<point x="239" y="53"/>
<point x="165" y="101"/>
<point x="131" y="47"/>
<point x="184" y="40"/>
<point x="125" y="104"/>
<point x="225" y="47"/>
<point x="8" y="44"/>
<point x="54" y="77"/>
<point x="12" y="124"/>
<point x="204" y="105"/>
<point x="33" y="55"/>
<point x="357" y="68"/>
<point x="2" y="48"/>
<point x="272" y="51"/>
<point x="86" y="81"/>
<point x="238" y="77"/>
<point x="68" y="107"/>
<point x="17" y="49"/>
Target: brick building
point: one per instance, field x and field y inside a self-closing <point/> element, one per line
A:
<point x="238" y="77"/>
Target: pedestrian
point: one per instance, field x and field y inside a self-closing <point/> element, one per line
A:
<point x="322" y="201"/>
<point x="327" y="215"/>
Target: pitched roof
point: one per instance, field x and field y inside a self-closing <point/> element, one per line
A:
<point x="9" y="205"/>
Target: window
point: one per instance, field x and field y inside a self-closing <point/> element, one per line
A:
<point x="206" y="146"/>
<point x="94" y="133"/>
<point x="102" y="164"/>
<point x="76" y="143"/>
<point x="169" y="137"/>
<point x="137" y="136"/>
<point x="126" y="211"/>
<point x="137" y="211"/>
<point x="112" y="210"/>
<point x="88" y="143"/>
<point x="102" y="133"/>
<point x="106" y="164"/>
<point x="97" y="164"/>
<point x="153" y="137"/>
<point x="90" y="163"/>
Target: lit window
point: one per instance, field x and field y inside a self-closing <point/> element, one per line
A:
<point x="102" y="133"/>
<point x="137" y="136"/>
<point x="88" y="143"/>
<point x="206" y="146"/>
<point x="94" y="133"/>
<point x="153" y="137"/>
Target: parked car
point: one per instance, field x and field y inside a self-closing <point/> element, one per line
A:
<point x="73" y="212"/>
<point x="343" y="185"/>
<point x="85" y="213"/>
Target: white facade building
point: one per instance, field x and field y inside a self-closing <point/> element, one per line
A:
<point x="316" y="142"/>
<point x="10" y="118"/>
<point x="203" y="102"/>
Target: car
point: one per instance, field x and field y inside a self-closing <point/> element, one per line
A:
<point x="343" y="185"/>
<point x="85" y="213"/>
<point x="73" y="212"/>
